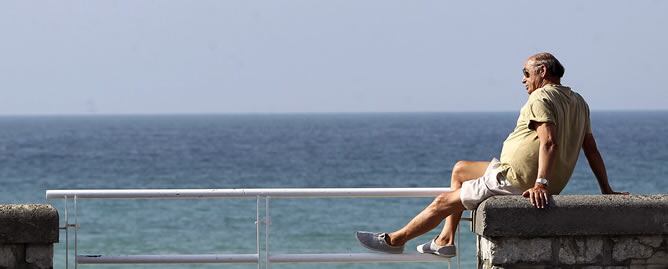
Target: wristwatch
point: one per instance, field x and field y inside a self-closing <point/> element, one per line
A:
<point x="542" y="181"/>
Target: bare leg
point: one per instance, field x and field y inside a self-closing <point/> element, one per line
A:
<point x="444" y="205"/>
<point x="447" y="204"/>
<point x="462" y="171"/>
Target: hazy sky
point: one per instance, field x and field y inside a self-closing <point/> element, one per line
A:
<point x="240" y="56"/>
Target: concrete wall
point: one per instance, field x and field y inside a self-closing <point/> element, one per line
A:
<point x="577" y="231"/>
<point x="27" y="234"/>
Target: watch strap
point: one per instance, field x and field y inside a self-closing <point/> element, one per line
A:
<point x="542" y="180"/>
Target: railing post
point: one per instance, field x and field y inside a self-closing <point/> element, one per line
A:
<point x="76" y="228"/>
<point x="267" y="222"/>
<point x="459" y="235"/>
<point x="67" y="236"/>
<point x="257" y="230"/>
<point x="262" y="218"/>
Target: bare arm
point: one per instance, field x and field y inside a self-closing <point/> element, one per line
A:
<point x="538" y="195"/>
<point x="548" y="147"/>
<point x="597" y="165"/>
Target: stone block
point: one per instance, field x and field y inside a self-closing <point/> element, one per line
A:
<point x="575" y="232"/>
<point x="634" y="247"/>
<point x="653" y="241"/>
<point x="39" y="256"/>
<point x="660" y="258"/>
<point x="580" y="250"/>
<point x="31" y="223"/>
<point x="509" y="250"/>
<point x="485" y="249"/>
<point x="570" y="215"/>
<point x="11" y="256"/>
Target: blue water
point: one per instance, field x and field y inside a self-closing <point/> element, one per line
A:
<point x="288" y="150"/>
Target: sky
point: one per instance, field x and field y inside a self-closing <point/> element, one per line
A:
<point x="289" y="56"/>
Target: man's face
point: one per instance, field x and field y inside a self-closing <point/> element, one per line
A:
<point x="533" y="77"/>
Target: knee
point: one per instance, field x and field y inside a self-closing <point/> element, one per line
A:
<point x="458" y="170"/>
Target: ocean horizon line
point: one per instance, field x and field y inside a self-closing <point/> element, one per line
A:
<point x="160" y="114"/>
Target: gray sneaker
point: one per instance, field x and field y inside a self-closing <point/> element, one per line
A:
<point x="377" y="242"/>
<point x="443" y="251"/>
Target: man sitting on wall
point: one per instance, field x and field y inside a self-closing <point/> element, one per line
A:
<point x="537" y="160"/>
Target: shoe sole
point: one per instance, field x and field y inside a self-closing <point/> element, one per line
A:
<point x="435" y="253"/>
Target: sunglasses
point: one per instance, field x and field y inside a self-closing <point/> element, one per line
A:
<point x="525" y="72"/>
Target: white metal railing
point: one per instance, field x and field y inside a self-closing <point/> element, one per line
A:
<point x="263" y="196"/>
<point x="244" y="193"/>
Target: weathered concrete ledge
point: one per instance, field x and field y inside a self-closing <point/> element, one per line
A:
<point x="30" y="223"/>
<point x="27" y="235"/>
<point x="577" y="231"/>
<point x="573" y="215"/>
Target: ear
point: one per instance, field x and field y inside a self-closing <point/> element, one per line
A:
<point x="542" y="71"/>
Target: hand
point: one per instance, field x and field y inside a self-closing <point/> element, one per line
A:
<point x="538" y="195"/>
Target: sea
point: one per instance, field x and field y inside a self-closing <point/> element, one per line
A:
<point x="39" y="153"/>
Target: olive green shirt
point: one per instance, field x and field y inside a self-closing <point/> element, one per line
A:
<point x="569" y="113"/>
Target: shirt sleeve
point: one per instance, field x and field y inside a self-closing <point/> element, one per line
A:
<point x="540" y="110"/>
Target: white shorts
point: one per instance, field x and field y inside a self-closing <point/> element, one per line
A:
<point x="492" y="183"/>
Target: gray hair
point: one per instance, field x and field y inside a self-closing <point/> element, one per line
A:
<point x="553" y="66"/>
